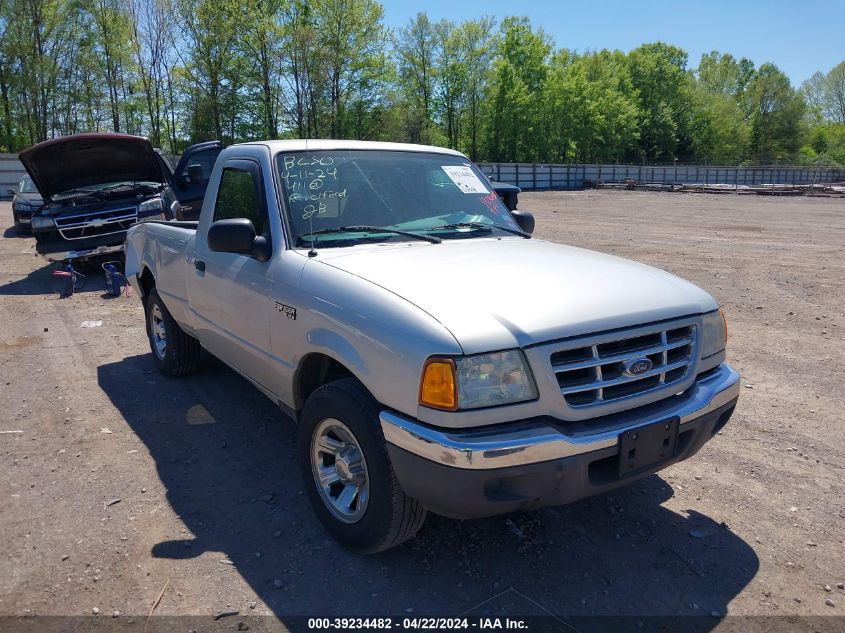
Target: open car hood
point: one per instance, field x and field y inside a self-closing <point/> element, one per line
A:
<point x="83" y="160"/>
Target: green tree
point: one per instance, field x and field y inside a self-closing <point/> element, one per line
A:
<point x="658" y="72"/>
<point x="303" y="61"/>
<point x="353" y="40"/>
<point x="590" y="107"/>
<point x="723" y="74"/>
<point x="719" y="131"/>
<point x="212" y="66"/>
<point x="416" y="47"/>
<point x="515" y="90"/>
<point x="479" y="41"/>
<point x="825" y="93"/>
<point x="777" y="125"/>
<point x="260" y="41"/>
<point x="111" y="39"/>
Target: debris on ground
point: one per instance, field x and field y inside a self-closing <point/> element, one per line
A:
<point x="226" y="614"/>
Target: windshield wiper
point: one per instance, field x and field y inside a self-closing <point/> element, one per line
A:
<point x="480" y="226"/>
<point x="363" y="228"/>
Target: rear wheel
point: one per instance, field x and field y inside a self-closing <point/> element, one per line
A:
<point x="175" y="353"/>
<point x="347" y="473"/>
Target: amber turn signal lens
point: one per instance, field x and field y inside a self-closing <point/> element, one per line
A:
<point x="437" y="388"/>
<point x="725" y="321"/>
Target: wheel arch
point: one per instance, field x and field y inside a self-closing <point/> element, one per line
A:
<point x="315" y="370"/>
<point x="146" y="282"/>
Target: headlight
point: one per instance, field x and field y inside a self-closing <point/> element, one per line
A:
<point x="150" y="207"/>
<point x="714" y="333"/>
<point x="40" y="222"/>
<point x="471" y="382"/>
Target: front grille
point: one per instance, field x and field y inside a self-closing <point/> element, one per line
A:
<point x="93" y="223"/>
<point x="611" y="369"/>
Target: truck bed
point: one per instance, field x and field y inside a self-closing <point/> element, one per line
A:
<point x="164" y="247"/>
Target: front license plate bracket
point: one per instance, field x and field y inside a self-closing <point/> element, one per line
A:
<point x="646" y="446"/>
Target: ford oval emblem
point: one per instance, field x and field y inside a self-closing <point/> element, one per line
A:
<point x="637" y="366"/>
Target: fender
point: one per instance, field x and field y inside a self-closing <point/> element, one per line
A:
<point x="338" y="348"/>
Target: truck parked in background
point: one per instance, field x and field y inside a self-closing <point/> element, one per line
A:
<point x="95" y="186"/>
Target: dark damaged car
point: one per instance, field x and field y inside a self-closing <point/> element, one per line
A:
<point x="95" y="186"/>
<point x="25" y="201"/>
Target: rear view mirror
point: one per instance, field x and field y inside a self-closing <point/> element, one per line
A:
<point x="238" y="236"/>
<point x="524" y="219"/>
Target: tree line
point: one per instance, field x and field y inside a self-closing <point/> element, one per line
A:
<point x="181" y="71"/>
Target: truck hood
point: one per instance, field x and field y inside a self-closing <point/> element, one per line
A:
<point x="83" y="160"/>
<point x="494" y="294"/>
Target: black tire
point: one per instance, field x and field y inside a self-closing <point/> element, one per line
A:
<point x="181" y="353"/>
<point x="391" y="517"/>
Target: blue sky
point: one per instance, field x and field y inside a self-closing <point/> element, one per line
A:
<point x="799" y="37"/>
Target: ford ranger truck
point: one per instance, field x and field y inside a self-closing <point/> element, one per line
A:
<point x="434" y="355"/>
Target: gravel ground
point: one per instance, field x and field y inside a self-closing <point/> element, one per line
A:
<point x="122" y="484"/>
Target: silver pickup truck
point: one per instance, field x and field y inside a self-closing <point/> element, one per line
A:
<point x="434" y="355"/>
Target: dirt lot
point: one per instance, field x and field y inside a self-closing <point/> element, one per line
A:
<point x="122" y="483"/>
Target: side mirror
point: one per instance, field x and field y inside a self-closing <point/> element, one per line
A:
<point x="11" y="192"/>
<point x="524" y="219"/>
<point x="238" y="236"/>
<point x="195" y="173"/>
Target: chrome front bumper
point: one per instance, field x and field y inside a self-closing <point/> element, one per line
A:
<point x="535" y="441"/>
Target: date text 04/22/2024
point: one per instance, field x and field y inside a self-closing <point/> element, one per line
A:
<point x="418" y="623"/>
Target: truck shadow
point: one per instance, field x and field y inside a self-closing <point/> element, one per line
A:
<point x="226" y="457"/>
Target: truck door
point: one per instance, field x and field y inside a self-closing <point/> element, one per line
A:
<point x="190" y="177"/>
<point x="232" y="294"/>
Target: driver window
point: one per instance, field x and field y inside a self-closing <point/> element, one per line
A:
<point x="239" y="197"/>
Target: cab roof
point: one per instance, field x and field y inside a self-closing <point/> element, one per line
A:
<point x="343" y="144"/>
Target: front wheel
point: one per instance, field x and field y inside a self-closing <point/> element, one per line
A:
<point x="175" y="353"/>
<point x="347" y="473"/>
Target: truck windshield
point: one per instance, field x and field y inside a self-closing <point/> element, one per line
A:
<point x="410" y="192"/>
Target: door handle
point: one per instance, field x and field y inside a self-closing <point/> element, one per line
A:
<point x="199" y="265"/>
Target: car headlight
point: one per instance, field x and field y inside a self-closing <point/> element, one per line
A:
<point x="714" y="333"/>
<point x="482" y="380"/>
<point x="40" y="222"/>
<point x="150" y="207"/>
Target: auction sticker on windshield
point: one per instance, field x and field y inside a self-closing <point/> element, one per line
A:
<point x="465" y="179"/>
